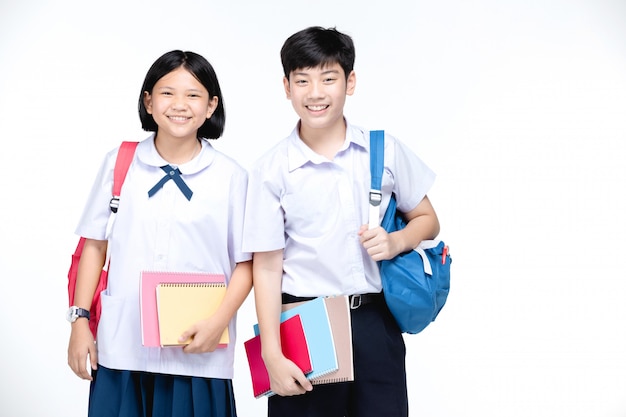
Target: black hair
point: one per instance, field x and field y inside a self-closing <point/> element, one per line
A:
<point x="200" y="68"/>
<point x="316" y="46"/>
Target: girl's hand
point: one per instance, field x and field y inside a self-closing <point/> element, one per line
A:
<point x="286" y="379"/>
<point x="379" y="244"/>
<point x="205" y="336"/>
<point x="81" y="346"/>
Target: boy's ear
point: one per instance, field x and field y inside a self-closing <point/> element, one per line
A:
<point x="287" y="88"/>
<point x="147" y="101"/>
<point x="351" y="83"/>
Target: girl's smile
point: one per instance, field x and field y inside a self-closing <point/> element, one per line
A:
<point x="179" y="119"/>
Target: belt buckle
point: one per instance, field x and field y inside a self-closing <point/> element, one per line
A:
<point x="354" y="305"/>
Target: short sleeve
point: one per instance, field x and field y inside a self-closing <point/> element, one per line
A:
<point x="237" y="203"/>
<point x="412" y="178"/>
<point x="264" y="226"/>
<point x="96" y="213"/>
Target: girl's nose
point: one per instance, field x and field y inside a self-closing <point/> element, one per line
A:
<point x="179" y="104"/>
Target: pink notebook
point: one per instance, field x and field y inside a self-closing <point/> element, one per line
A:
<point x="294" y="346"/>
<point x="148" y="299"/>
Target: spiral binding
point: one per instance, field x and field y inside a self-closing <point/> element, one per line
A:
<point x="316" y="381"/>
<point x="192" y="284"/>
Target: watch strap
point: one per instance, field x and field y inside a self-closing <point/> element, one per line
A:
<point x="81" y="312"/>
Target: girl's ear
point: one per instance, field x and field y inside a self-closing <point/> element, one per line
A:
<point x="287" y="88"/>
<point x="147" y="101"/>
<point x="212" y="106"/>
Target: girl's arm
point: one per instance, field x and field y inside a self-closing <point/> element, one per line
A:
<point x="285" y="376"/>
<point x="81" y="343"/>
<point x="206" y="333"/>
<point x="422" y="224"/>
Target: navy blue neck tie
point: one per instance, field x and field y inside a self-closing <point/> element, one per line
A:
<point x="171" y="174"/>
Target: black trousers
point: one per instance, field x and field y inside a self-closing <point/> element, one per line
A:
<point x="379" y="386"/>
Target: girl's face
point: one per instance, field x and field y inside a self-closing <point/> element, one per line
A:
<point x="179" y="104"/>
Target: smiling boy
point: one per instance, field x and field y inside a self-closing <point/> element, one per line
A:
<point x="306" y="224"/>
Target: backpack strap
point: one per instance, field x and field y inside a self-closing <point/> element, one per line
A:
<point x="377" y="160"/>
<point x="125" y="156"/>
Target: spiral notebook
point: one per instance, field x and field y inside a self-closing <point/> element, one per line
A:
<point x="180" y="306"/>
<point x="318" y="333"/>
<point x="338" y="309"/>
<point x="147" y="296"/>
<point x="294" y="346"/>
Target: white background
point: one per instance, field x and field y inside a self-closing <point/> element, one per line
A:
<point x="519" y="106"/>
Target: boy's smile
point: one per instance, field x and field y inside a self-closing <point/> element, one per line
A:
<point x="317" y="108"/>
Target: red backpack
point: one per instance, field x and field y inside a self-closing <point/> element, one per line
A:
<point x="122" y="163"/>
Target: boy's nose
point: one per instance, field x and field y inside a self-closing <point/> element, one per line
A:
<point x="315" y="90"/>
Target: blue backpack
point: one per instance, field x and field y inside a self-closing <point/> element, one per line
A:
<point x="415" y="283"/>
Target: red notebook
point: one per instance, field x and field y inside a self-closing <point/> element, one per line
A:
<point x="295" y="348"/>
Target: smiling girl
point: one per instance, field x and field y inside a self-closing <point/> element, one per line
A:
<point x="191" y="224"/>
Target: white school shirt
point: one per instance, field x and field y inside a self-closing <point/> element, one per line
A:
<point x="313" y="208"/>
<point x="165" y="232"/>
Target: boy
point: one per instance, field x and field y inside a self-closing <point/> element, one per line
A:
<point x="307" y="226"/>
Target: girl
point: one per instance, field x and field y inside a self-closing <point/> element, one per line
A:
<point x="190" y="224"/>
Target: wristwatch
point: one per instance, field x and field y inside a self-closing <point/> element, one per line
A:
<point x="74" y="313"/>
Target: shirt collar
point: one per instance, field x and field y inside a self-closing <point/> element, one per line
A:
<point x="299" y="154"/>
<point x="147" y="154"/>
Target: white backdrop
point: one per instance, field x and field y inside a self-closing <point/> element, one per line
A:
<point x="519" y="106"/>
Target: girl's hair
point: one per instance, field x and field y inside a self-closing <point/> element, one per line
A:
<point x="317" y="46"/>
<point x="200" y="68"/>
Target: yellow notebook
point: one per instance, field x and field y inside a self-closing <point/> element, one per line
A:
<point x="181" y="305"/>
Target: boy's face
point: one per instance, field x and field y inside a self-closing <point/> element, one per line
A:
<point x="319" y="94"/>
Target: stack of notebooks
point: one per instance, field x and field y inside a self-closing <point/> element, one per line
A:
<point x="316" y="335"/>
<point x="171" y="302"/>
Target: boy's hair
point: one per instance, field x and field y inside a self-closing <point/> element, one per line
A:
<point x="316" y="46"/>
<point x="200" y="68"/>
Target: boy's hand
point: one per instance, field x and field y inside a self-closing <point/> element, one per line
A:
<point x="204" y="335"/>
<point x="286" y="379"/>
<point x="379" y="244"/>
<point x="81" y="346"/>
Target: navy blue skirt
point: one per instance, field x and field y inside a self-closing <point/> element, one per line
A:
<point x="116" y="393"/>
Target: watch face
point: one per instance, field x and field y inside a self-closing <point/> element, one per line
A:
<point x="75" y="312"/>
<point x="71" y="314"/>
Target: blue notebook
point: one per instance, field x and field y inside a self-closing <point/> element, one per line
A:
<point x="318" y="334"/>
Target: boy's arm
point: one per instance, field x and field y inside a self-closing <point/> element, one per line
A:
<point x="206" y="334"/>
<point x="285" y="376"/>
<point x="81" y="342"/>
<point x="422" y="224"/>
